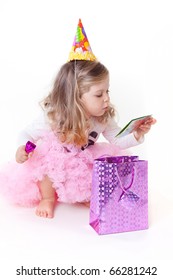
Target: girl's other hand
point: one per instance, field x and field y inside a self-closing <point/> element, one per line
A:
<point x="22" y="155"/>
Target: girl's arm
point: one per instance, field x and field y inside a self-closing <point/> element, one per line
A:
<point x="34" y="131"/>
<point x="123" y="142"/>
<point x="130" y="140"/>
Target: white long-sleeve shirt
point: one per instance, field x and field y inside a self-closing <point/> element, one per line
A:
<point x="37" y="129"/>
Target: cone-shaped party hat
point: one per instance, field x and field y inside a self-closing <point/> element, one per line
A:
<point x="81" y="49"/>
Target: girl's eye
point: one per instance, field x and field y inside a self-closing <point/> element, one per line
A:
<point x="100" y="95"/>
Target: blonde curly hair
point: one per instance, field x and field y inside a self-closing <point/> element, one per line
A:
<point x="64" y="106"/>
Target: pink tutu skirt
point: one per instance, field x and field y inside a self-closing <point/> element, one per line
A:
<point x="69" y="169"/>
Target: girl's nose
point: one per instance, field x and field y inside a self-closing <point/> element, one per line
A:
<point x="106" y="98"/>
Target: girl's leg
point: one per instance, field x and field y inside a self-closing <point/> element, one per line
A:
<point x="48" y="198"/>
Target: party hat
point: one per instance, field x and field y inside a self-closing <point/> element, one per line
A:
<point x="81" y="49"/>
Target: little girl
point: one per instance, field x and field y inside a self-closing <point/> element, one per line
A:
<point x="76" y="112"/>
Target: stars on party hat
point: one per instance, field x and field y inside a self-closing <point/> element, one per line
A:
<point x="81" y="49"/>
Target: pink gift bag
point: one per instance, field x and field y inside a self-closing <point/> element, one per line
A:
<point x="119" y="195"/>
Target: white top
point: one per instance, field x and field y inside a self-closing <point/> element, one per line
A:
<point x="40" y="126"/>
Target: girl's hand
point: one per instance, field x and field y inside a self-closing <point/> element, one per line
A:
<point x="144" y="128"/>
<point x="22" y="155"/>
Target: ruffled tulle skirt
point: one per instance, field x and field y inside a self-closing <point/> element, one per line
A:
<point x="69" y="169"/>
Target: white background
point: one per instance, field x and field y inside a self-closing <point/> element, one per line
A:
<point x="134" y="39"/>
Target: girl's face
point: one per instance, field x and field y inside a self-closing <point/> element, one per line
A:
<point x="96" y="100"/>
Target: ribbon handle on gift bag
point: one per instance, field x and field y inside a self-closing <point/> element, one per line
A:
<point x="131" y="183"/>
<point x="128" y="198"/>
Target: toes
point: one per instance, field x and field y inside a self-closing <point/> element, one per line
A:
<point x="40" y="213"/>
<point x="49" y="215"/>
<point x="44" y="214"/>
<point x="45" y="209"/>
<point x="37" y="212"/>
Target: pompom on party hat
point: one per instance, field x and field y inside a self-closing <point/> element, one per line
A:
<point x="81" y="49"/>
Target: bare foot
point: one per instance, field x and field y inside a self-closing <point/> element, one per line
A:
<point x="45" y="208"/>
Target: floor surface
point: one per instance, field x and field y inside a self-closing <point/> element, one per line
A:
<point x="68" y="238"/>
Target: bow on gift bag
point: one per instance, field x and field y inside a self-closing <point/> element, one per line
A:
<point x="119" y="195"/>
